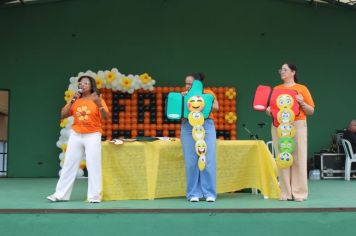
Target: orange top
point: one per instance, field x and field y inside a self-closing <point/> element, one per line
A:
<point x="211" y="116"/>
<point x="87" y="118"/>
<point x="303" y="90"/>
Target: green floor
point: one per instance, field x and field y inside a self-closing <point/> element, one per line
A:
<point x="31" y="194"/>
<point x="21" y="198"/>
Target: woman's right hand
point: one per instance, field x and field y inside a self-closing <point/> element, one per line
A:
<point x="268" y="111"/>
<point x="75" y="97"/>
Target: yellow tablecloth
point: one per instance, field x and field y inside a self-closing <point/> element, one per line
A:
<point x="149" y="170"/>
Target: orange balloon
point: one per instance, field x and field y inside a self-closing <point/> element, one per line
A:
<point x="128" y="126"/>
<point x="134" y="133"/>
<point x="147" y="132"/>
<point x="165" y="90"/>
<point x="165" y="133"/>
<point x="159" y="126"/>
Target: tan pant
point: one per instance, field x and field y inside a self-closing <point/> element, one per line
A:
<point x="293" y="181"/>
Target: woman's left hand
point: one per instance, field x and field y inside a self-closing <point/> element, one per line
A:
<point x="96" y="99"/>
<point x="300" y="98"/>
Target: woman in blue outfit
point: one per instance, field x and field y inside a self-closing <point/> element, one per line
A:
<point x="200" y="184"/>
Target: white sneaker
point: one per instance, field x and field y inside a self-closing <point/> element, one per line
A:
<point x="94" y="201"/>
<point x="194" y="199"/>
<point x="210" y="199"/>
<point x="52" y="198"/>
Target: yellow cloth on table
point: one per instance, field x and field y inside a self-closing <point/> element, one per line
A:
<point x="148" y="170"/>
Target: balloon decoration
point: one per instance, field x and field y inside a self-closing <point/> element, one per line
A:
<point x="137" y="108"/>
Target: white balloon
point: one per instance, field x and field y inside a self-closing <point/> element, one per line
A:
<point x="65" y="133"/>
<point x="59" y="143"/>
<point x="61" y="156"/>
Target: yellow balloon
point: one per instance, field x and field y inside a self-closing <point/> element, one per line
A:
<point x="286" y="116"/>
<point x="284" y="101"/>
<point x="284" y="160"/>
<point x="200" y="147"/>
<point x="286" y="130"/>
<point x="196" y="118"/>
<point x="198" y="132"/>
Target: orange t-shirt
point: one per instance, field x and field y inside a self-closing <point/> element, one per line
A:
<point x="87" y="118"/>
<point x="211" y="116"/>
<point x="303" y="90"/>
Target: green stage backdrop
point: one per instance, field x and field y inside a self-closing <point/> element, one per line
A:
<point x="235" y="43"/>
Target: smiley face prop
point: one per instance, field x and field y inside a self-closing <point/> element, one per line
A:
<point x="284" y="101"/>
<point x="198" y="132"/>
<point x="201" y="162"/>
<point x="196" y="104"/>
<point x="286" y="130"/>
<point x="196" y="118"/>
<point x="284" y="160"/>
<point x="286" y="145"/>
<point x="200" y="147"/>
<point x="285" y="116"/>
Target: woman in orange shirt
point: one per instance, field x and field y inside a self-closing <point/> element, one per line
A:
<point x="87" y="108"/>
<point x="293" y="181"/>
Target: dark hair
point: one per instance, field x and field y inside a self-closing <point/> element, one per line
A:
<point x="293" y="68"/>
<point x="197" y="76"/>
<point x="93" y="87"/>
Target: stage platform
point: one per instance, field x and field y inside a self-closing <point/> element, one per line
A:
<point x="24" y="210"/>
<point x="29" y="196"/>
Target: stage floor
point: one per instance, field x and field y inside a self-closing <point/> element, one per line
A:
<point x="29" y="195"/>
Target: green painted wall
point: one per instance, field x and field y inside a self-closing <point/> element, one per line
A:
<point x="236" y="43"/>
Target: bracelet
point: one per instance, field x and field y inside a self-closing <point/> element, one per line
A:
<point x="303" y="104"/>
<point x="101" y="108"/>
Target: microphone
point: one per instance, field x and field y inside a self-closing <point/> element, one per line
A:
<point x="254" y="136"/>
<point x="80" y="91"/>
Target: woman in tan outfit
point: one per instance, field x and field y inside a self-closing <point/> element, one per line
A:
<point x="294" y="181"/>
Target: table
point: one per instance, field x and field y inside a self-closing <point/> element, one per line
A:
<point x="149" y="170"/>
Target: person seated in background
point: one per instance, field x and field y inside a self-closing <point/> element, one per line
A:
<point x="350" y="134"/>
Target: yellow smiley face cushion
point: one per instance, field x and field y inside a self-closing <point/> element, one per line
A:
<point x="196" y="103"/>
<point x="284" y="101"/>
<point x="284" y="160"/>
<point x="196" y="118"/>
<point x="200" y="147"/>
<point x="198" y="132"/>
<point x="286" y="116"/>
<point x="286" y="130"/>
<point x="201" y="163"/>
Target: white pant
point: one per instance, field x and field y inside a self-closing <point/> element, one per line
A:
<point x="78" y="145"/>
